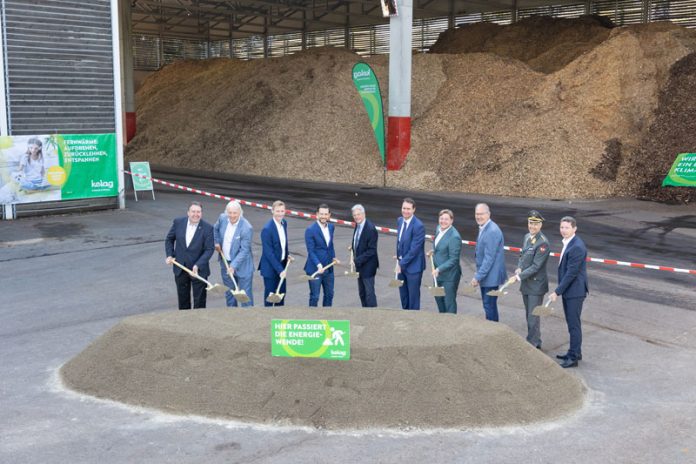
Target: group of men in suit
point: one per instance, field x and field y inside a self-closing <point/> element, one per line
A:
<point x="191" y="241"/>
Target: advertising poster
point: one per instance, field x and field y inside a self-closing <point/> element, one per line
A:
<point x="36" y="168"/>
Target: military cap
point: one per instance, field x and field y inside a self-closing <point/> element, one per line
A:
<point x="535" y="216"/>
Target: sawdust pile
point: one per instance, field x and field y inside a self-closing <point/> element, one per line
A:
<point x="543" y="108"/>
<point x="407" y="370"/>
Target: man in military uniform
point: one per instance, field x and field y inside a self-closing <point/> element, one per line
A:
<point x="531" y="273"/>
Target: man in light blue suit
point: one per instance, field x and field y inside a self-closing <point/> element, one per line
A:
<point x="410" y="252"/>
<point x="572" y="286"/>
<point x="320" y="253"/>
<point x="232" y="234"/>
<point x="490" y="260"/>
<point x="447" y="248"/>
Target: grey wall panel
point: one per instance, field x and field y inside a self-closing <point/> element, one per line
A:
<point x="59" y="66"/>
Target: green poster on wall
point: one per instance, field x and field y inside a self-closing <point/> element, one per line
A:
<point x="310" y="339"/>
<point x="683" y="172"/>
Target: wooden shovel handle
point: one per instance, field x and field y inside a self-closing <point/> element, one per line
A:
<point x="190" y="272"/>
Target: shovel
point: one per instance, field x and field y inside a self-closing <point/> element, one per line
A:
<point x="352" y="273"/>
<point x="277" y="297"/>
<point x="212" y="288"/>
<point x="543" y="310"/>
<point x="396" y="282"/>
<point x="467" y="289"/>
<point x="436" y="290"/>
<point x="314" y="276"/>
<point x="239" y="295"/>
<point x="501" y="291"/>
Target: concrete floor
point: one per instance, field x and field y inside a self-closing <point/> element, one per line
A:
<point x="68" y="279"/>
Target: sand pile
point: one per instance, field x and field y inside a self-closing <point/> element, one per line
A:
<point x="407" y="370"/>
<point x="543" y="108"/>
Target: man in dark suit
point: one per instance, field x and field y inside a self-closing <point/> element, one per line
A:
<point x="364" y="246"/>
<point x="274" y="252"/>
<point x="572" y="286"/>
<point x="320" y="253"/>
<point x="490" y="260"/>
<point x="447" y="248"/>
<point x="410" y="253"/>
<point x="190" y="242"/>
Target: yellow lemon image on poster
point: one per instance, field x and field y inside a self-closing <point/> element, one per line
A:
<point x="55" y="175"/>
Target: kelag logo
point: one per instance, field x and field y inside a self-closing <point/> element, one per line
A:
<point x="102" y="184"/>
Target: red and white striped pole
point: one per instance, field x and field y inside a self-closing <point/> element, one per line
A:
<point x="399" y="120"/>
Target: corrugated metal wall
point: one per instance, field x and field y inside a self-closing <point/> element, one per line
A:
<point x="59" y="66"/>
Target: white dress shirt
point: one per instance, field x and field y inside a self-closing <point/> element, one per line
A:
<point x="325" y="231"/>
<point x="565" y="245"/>
<point x="358" y="231"/>
<point x="405" y="226"/>
<point x="227" y="240"/>
<point x="190" y="232"/>
<point x="281" y="234"/>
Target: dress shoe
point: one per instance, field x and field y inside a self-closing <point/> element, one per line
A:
<point x="569" y="362"/>
<point x="565" y="356"/>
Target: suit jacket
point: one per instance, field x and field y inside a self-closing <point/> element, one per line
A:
<point x="198" y="252"/>
<point x="365" y="253"/>
<point x="318" y="252"/>
<point x="446" y="256"/>
<point x="271" y="263"/>
<point x="410" y="249"/>
<point x="572" y="270"/>
<point x="490" y="256"/>
<point x="241" y="257"/>
<point x="532" y="263"/>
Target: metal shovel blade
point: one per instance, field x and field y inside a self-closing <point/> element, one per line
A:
<point x="467" y="290"/>
<point x="241" y="296"/>
<point x="437" y="291"/>
<point x="496" y="293"/>
<point x="542" y="311"/>
<point x="352" y="274"/>
<point x="275" y="297"/>
<point x="305" y="277"/>
<point x="396" y="283"/>
<point x="217" y="288"/>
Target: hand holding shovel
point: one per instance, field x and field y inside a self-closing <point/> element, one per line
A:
<point x="212" y="288"/>
<point x="396" y="283"/>
<point x="239" y="295"/>
<point x="314" y="276"/>
<point x="352" y="272"/>
<point x="501" y="291"/>
<point x="435" y="290"/>
<point x="543" y="310"/>
<point x="277" y="297"/>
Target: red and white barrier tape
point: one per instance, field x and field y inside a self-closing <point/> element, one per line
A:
<point x="394" y="231"/>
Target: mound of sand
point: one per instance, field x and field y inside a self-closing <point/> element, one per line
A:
<point x="486" y="120"/>
<point x="407" y="370"/>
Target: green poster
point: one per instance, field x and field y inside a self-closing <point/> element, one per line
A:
<point x="89" y="162"/>
<point x="683" y="172"/>
<point x="310" y="339"/>
<point x="141" y="168"/>
<point x="54" y="167"/>
<point x="368" y="87"/>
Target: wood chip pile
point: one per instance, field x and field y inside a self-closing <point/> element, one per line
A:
<point x="542" y="108"/>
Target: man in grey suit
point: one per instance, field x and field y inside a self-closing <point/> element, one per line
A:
<point x="232" y="234"/>
<point x="531" y="273"/>
<point x="447" y="248"/>
<point x="490" y="260"/>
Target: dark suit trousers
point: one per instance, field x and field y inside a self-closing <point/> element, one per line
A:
<point x="533" y="322"/>
<point x="448" y="303"/>
<point x="184" y="284"/>
<point x="490" y="303"/>
<point x="366" y="290"/>
<point x="270" y="284"/>
<point x="410" y="290"/>
<point x="323" y="281"/>
<point x="572" y="308"/>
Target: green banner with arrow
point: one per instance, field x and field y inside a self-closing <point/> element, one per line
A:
<point x="367" y="84"/>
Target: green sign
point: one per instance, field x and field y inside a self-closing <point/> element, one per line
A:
<point x="683" y="172"/>
<point x="310" y="339"/>
<point x="141" y="168"/>
<point x="54" y="167"/>
<point x="368" y="87"/>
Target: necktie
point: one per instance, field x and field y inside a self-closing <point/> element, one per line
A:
<point x="357" y="236"/>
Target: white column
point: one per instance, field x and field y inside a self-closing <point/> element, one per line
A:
<point x="119" y="115"/>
